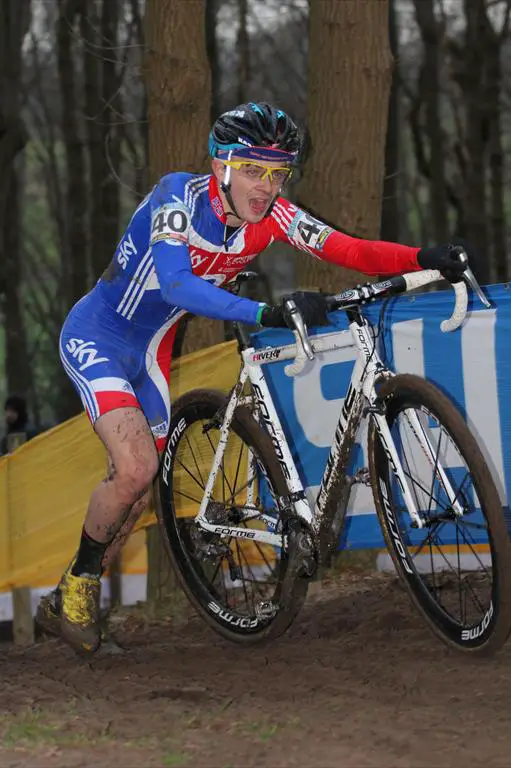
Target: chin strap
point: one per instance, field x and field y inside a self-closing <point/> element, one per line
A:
<point x="225" y="186"/>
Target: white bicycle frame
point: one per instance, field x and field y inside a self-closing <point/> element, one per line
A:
<point x="361" y="393"/>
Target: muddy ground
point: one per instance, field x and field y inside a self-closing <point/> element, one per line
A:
<point x="357" y="681"/>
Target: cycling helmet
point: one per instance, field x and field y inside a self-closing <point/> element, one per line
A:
<point x="257" y="132"/>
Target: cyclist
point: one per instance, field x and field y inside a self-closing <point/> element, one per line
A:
<point x="188" y="237"/>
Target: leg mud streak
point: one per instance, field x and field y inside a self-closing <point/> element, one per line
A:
<point x="238" y="585"/>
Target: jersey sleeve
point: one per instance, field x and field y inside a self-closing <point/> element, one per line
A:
<point x="171" y="220"/>
<point x="372" y="257"/>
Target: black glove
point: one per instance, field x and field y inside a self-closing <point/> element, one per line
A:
<point x="445" y="259"/>
<point x="312" y="306"/>
<point x="272" y="317"/>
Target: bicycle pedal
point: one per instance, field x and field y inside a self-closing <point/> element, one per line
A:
<point x="266" y="609"/>
<point x="236" y="573"/>
<point x="213" y="550"/>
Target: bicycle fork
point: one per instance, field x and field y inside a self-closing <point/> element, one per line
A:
<point x="399" y="472"/>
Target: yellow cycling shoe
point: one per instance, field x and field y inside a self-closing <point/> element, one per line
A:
<point x="80" y="611"/>
<point x="47" y="614"/>
<point x="48" y="611"/>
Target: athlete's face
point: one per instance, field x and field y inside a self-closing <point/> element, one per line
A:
<point x="252" y="187"/>
<point x="11" y="415"/>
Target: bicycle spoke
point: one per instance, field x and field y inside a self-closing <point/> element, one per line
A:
<point x="203" y="487"/>
<point x="186" y="496"/>
<point x="195" y="460"/>
<point x="446" y="552"/>
<point x="238" y="467"/>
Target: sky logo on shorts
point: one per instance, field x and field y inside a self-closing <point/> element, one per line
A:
<point x="84" y="352"/>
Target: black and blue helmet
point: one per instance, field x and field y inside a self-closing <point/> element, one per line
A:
<point x="256" y="132"/>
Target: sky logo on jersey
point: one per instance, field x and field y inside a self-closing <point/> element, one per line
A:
<point x="85" y="353"/>
<point x="126" y="249"/>
<point x="197" y="259"/>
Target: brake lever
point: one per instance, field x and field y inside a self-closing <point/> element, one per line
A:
<point x="300" y="327"/>
<point x="241" y="277"/>
<point x="470" y="279"/>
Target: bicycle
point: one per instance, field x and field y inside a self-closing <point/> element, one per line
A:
<point x="245" y="541"/>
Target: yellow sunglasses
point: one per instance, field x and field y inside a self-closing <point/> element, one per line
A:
<point x="260" y="172"/>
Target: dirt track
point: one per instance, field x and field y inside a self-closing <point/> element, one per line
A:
<point x="358" y="681"/>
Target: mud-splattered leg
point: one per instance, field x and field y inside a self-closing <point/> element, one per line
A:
<point x="134" y="463"/>
<point x="124" y="531"/>
<point x="133" y="466"/>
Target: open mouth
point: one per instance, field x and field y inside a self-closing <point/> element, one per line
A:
<point x="258" y="205"/>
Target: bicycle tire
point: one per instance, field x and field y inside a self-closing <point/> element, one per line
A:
<point x="194" y="406"/>
<point x="489" y="634"/>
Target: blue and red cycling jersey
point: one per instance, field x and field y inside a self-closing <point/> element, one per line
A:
<point x="116" y="343"/>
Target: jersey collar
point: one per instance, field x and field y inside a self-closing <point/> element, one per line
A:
<point x="215" y="200"/>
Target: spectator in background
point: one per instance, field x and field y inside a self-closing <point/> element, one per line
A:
<point x="16" y="420"/>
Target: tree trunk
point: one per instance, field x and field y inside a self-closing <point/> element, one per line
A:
<point x="496" y="158"/>
<point x="430" y="89"/>
<point x="17" y="366"/>
<point x="110" y="135"/>
<point x="75" y="256"/>
<point x="179" y="114"/>
<point x="179" y="91"/>
<point x="349" y="81"/>
<point x="243" y="46"/>
<point x="103" y="110"/>
<point x="212" y="52"/>
<point x="471" y="79"/>
<point x="179" y="87"/>
<point x="89" y="28"/>
<point x="14" y="23"/>
<point x="390" y="202"/>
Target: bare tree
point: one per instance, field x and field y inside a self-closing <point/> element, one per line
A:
<point x="212" y="49"/>
<point x="349" y="80"/>
<point x="243" y="48"/>
<point x="496" y="38"/>
<point x="179" y="90"/>
<point x="102" y="81"/>
<point x="14" y="24"/>
<point x="179" y="86"/>
<point x="429" y="90"/>
<point x="75" y="256"/>
<point x="390" y="224"/>
<point x="469" y="69"/>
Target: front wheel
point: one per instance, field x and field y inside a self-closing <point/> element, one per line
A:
<point x="457" y="565"/>
<point x="235" y="583"/>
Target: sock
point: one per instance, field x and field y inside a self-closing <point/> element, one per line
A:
<point x="90" y="556"/>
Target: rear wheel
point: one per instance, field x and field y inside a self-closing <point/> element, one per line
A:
<point x="457" y="567"/>
<point x="234" y="583"/>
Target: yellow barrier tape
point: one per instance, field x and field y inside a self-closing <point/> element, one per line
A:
<point x="45" y="485"/>
<point x="5" y="540"/>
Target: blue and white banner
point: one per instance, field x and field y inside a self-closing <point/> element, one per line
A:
<point x="472" y="365"/>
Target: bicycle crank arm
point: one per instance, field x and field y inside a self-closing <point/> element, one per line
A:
<point x="302" y="561"/>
